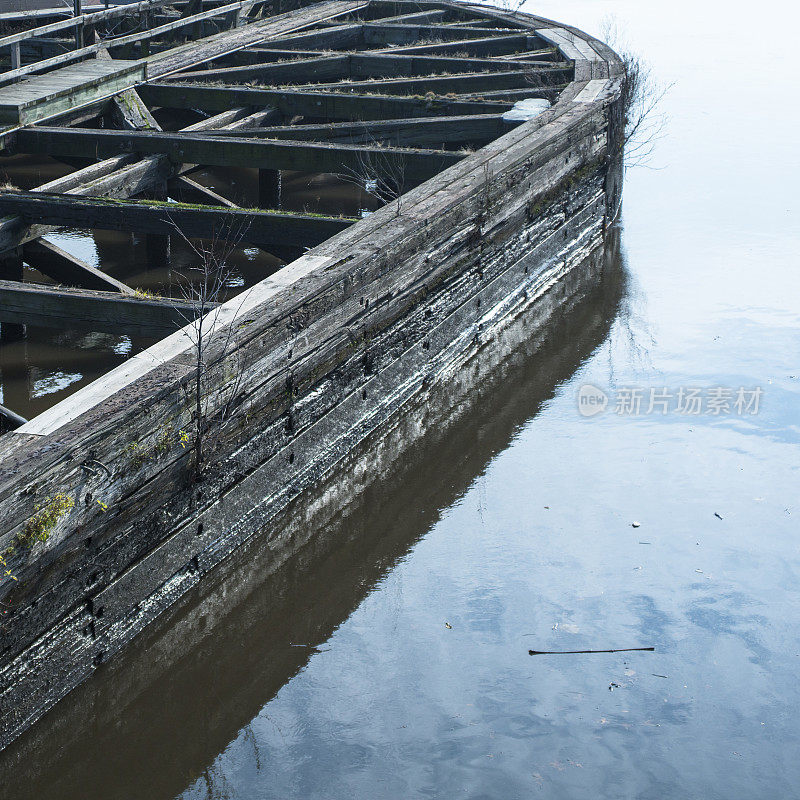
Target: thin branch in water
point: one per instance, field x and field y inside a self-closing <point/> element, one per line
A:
<point x="641" y="96"/>
<point x="381" y="174"/>
<point x="569" y="652"/>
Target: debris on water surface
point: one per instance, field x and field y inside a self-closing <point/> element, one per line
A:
<point x="612" y="686"/>
<point x="568" y="652"/>
<point x="526" y="109"/>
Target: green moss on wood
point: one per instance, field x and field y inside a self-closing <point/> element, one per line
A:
<point x="39" y="527"/>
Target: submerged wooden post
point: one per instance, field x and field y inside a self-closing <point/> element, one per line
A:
<point x="14" y="378"/>
<point x="269" y="188"/>
<point x="78" y="25"/>
<point x="16" y="56"/>
<point x="11" y="270"/>
<point x="157" y="245"/>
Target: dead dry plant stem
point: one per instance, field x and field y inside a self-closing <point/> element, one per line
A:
<point x="204" y="289"/>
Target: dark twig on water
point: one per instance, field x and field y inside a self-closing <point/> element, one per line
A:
<point x="567" y="652"/>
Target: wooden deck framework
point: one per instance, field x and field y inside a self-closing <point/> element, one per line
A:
<point x="325" y="366"/>
<point x="366" y="89"/>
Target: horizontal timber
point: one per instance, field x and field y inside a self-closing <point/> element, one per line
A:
<point x="316" y="105"/>
<point x="165" y="218"/>
<point x="32" y="304"/>
<point x="419" y="132"/>
<point x="65" y="268"/>
<point x="469" y="82"/>
<point x="209" y="150"/>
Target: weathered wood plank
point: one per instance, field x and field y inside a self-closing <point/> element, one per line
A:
<point x="185" y="190"/>
<point x="63" y="267"/>
<point x="378" y="33"/>
<point x="261" y="55"/>
<point x="250" y="225"/>
<point x="316" y="105"/>
<point x="334" y="38"/>
<point x="418" y="16"/>
<point x="473" y="82"/>
<point x="26" y="303"/>
<point x="482" y="48"/>
<point x="208" y="150"/>
<point x="46" y="95"/>
<point x="297" y="71"/>
<point x="131" y="113"/>
<point x="398" y="65"/>
<point x="10" y="419"/>
<point x="420" y="131"/>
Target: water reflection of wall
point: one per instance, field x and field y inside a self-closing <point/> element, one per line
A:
<point x="150" y="724"/>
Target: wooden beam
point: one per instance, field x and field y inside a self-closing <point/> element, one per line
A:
<point x="549" y="92"/>
<point x="334" y="38"/>
<point x="185" y="190"/>
<point x="414" y="132"/>
<point x="251" y="225"/>
<point x="51" y="260"/>
<point x="254" y="120"/>
<point x="132" y="114"/>
<point x="32" y="304"/>
<point x="261" y="55"/>
<point x="400" y="65"/>
<point x="298" y="71"/>
<point x="10" y="419"/>
<point x="83" y="176"/>
<point x="419" y="16"/>
<point x="482" y="48"/>
<point x="220" y="120"/>
<point x="475" y="82"/>
<point x="316" y="105"/>
<point x="209" y="150"/>
<point x="378" y="33"/>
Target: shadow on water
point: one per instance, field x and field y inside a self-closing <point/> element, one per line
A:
<point x="152" y="722"/>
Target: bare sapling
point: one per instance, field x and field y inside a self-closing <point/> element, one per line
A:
<point x="204" y="286"/>
<point x="381" y="174"/>
<point x="641" y="95"/>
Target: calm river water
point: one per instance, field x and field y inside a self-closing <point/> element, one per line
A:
<point x="395" y="664"/>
